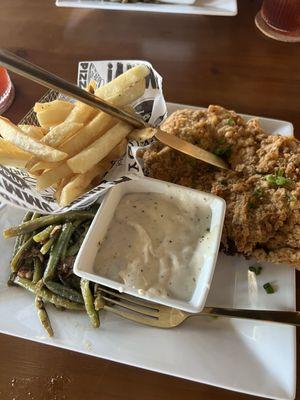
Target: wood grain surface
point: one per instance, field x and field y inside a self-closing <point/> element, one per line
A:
<point x="204" y="60"/>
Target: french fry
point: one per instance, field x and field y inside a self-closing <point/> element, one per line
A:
<point x="122" y="82"/>
<point x="142" y="134"/>
<point x="78" y="185"/>
<point x="88" y="134"/>
<point x="122" y="91"/>
<point x="12" y="156"/>
<point x="114" y="89"/>
<point x="58" y="190"/>
<point x="75" y="144"/>
<point x="69" y="190"/>
<point x="98" y="150"/>
<point x="34" y="174"/>
<point x="96" y="181"/>
<point x="116" y="153"/>
<point x="91" y="87"/>
<point x="129" y="95"/>
<point x="53" y="105"/>
<point x="60" y="133"/>
<point x="102" y="122"/>
<point x="59" y="187"/>
<point x="55" y="114"/>
<point x="34" y="165"/>
<point x="35" y="132"/>
<point x="81" y="113"/>
<point x="14" y="135"/>
<point x="98" y="126"/>
<point x="31" y="162"/>
<point x="40" y="166"/>
<point x="52" y="176"/>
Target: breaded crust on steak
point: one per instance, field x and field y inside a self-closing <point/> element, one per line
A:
<point x="262" y="190"/>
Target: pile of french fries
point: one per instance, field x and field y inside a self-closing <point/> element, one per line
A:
<point x="75" y="144"/>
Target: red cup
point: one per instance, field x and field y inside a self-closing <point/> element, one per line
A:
<point x="280" y="19"/>
<point x="7" y="92"/>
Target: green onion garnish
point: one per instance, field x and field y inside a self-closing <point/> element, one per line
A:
<point x="257" y="195"/>
<point x="282" y="181"/>
<point x="268" y="288"/>
<point x="256" y="269"/>
<point x="230" y="121"/>
<point x="278" y="179"/>
<point x="258" y="192"/>
<point x="223" y="151"/>
<point x="221" y="141"/>
<point x="271" y="179"/>
<point x="250" y="204"/>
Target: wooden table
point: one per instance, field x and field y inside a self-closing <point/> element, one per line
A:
<point x="204" y="60"/>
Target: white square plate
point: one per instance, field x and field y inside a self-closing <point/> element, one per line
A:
<point x="252" y="357"/>
<point x="200" y="7"/>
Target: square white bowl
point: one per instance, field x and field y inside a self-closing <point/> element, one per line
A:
<point x="84" y="263"/>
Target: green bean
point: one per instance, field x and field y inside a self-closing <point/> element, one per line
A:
<point x="44" y="234"/>
<point x="70" y="229"/>
<point x="39" y="285"/>
<point x="74" y="249"/>
<point x="46" y="295"/>
<point x="27" y="216"/>
<point x="20" y="238"/>
<point x="38" y="223"/>
<point x="14" y="264"/>
<point x="56" y="251"/>
<point x="56" y="230"/>
<point x="74" y="281"/>
<point x="25" y="283"/>
<point x="43" y="316"/>
<point x="11" y="279"/>
<point x="64" y="291"/>
<point x="37" y="271"/>
<point x="59" y="301"/>
<point x="46" y="247"/>
<point x="18" y="244"/>
<point x="76" y="235"/>
<point x="35" y="215"/>
<point x="89" y="303"/>
<point x="94" y="207"/>
<point x="71" y="281"/>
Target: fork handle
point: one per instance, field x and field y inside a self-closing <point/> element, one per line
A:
<point x="283" y="317"/>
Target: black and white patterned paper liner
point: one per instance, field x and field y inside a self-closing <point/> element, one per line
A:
<point x="17" y="188"/>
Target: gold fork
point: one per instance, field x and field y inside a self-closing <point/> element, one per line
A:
<point x="153" y="314"/>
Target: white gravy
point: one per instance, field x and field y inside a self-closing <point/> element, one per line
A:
<point x="154" y="243"/>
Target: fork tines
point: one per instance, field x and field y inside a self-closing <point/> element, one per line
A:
<point x="130" y="303"/>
